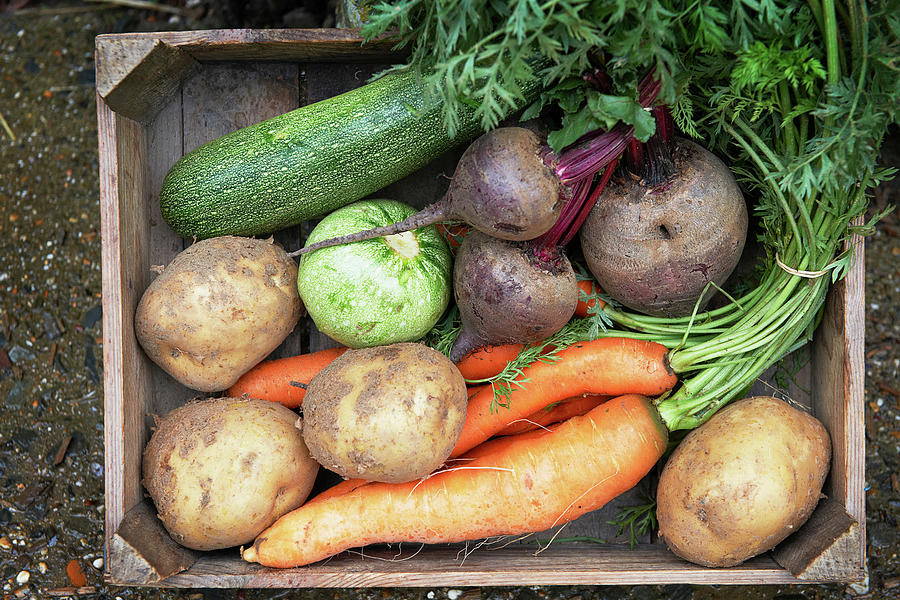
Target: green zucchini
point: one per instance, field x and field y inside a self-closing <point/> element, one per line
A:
<point x="310" y="161"/>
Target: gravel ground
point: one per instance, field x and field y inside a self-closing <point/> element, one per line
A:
<point x="51" y="442"/>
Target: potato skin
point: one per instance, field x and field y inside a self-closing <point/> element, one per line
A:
<point x="221" y="470"/>
<point x="220" y="307"/>
<point x="742" y="482"/>
<point x="388" y="413"/>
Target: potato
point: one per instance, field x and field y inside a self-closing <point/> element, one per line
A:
<point x="388" y="413"/>
<point x="218" y="309"/>
<point x="221" y="470"/>
<point x="742" y="482"/>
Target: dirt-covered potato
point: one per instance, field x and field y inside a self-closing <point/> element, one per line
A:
<point x="218" y="309"/>
<point x="388" y="413"/>
<point x="742" y="482"/>
<point x="221" y="470"/>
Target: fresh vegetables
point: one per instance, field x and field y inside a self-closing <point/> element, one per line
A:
<point x="611" y="366"/>
<point x="656" y="242"/>
<point x="382" y="291"/>
<point x="487" y="361"/>
<point x="520" y="486"/>
<point x="391" y="413"/>
<point x="799" y="105"/>
<point x="313" y="160"/>
<point x="742" y="482"/>
<point x="554" y="413"/>
<point x="503" y="297"/>
<point x="283" y="380"/>
<point x="221" y="470"/>
<point x="795" y="97"/>
<point x="220" y="307"/>
<point x="503" y="186"/>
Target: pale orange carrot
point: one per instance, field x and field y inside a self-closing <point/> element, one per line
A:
<point x="487" y="361"/>
<point x="590" y="288"/>
<point x="275" y="380"/>
<point x="544" y="479"/>
<point x="610" y="366"/>
<point x="559" y="411"/>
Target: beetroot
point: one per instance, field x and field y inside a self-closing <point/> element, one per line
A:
<point x="507" y="294"/>
<point x="503" y="186"/>
<point x="655" y="246"/>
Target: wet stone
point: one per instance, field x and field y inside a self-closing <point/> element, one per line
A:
<point x="92" y="317"/>
<point x="90" y="360"/>
<point x="24" y="438"/>
<point x="51" y="327"/>
<point x="18" y="354"/>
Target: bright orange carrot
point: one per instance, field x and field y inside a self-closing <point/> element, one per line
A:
<point x="522" y="485"/>
<point x="610" y="366"/>
<point x="453" y="233"/>
<point x="271" y="379"/>
<point x="588" y="287"/>
<point x="560" y="411"/>
<point x="487" y="361"/>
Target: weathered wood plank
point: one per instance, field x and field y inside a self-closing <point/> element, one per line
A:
<point x="142" y="552"/>
<point x="137" y="78"/>
<point x="824" y="548"/>
<point x="164" y="147"/>
<point x="838" y="400"/>
<point x="286" y="45"/>
<point x="124" y="229"/>
<point x="457" y="565"/>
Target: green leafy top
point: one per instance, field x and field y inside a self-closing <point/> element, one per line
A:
<point x="474" y="52"/>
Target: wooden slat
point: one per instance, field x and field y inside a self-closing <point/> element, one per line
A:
<point x="137" y="78"/>
<point x="141" y="550"/>
<point x="838" y="396"/>
<point x="124" y="229"/>
<point x="569" y="564"/>
<point x="139" y="73"/>
<point x="296" y="45"/>
<point x="164" y="147"/>
<point x="812" y="551"/>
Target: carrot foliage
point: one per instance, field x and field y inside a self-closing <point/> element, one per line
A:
<point x="796" y="96"/>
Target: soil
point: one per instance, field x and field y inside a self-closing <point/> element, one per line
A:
<point x="51" y="339"/>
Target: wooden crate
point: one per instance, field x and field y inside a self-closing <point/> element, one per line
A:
<point x="162" y="94"/>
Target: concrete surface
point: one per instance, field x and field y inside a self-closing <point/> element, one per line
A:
<point x="51" y="397"/>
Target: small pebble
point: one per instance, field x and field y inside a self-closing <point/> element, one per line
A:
<point x="23" y="577"/>
<point x="98" y="563"/>
<point x="5" y="543"/>
<point x="42" y="567"/>
<point x="454" y="594"/>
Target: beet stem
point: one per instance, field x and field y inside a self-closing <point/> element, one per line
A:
<point x="592" y="152"/>
<point x="654" y="162"/>
<point x="589" y="204"/>
<point x="437" y="212"/>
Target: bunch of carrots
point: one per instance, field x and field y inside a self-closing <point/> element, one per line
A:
<point x="574" y="433"/>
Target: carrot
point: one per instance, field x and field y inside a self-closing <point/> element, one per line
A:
<point x="590" y="288"/>
<point x="560" y="411"/>
<point x="487" y="361"/>
<point x="272" y="379"/>
<point x="520" y="486"/>
<point x="610" y="366"/>
<point x="453" y="234"/>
